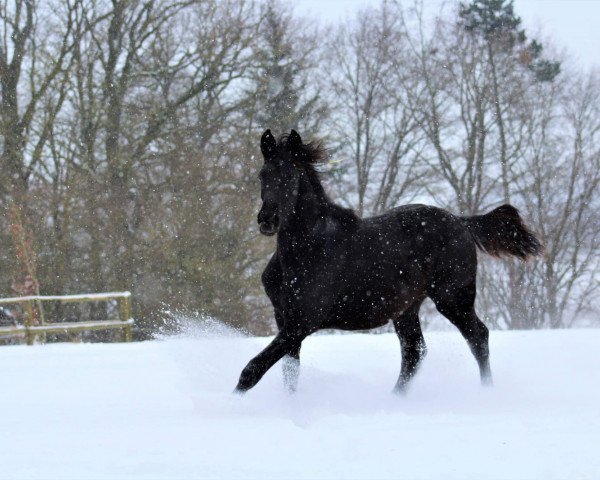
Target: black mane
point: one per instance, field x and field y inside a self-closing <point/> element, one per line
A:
<point x="311" y="155"/>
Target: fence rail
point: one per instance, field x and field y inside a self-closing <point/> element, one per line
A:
<point x="30" y="330"/>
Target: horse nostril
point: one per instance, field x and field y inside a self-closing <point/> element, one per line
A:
<point x="263" y="217"/>
<point x="267" y="228"/>
<point x="268" y="224"/>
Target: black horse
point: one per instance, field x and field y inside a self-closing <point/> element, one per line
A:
<point x="333" y="269"/>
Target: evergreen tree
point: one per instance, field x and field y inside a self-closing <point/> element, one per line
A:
<point x="497" y="23"/>
<point x="285" y="53"/>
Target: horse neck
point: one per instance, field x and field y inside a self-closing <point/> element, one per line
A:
<point x="312" y="206"/>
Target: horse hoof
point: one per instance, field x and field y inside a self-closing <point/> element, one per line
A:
<point x="400" y="390"/>
<point x="487" y="382"/>
<point x="289" y="389"/>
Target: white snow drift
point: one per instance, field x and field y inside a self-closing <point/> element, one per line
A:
<point x="164" y="409"/>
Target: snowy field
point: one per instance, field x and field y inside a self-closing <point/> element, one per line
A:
<point x="164" y="409"/>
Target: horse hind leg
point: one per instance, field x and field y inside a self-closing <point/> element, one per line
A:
<point x="458" y="307"/>
<point x="412" y="345"/>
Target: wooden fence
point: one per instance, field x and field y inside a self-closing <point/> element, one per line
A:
<point x="30" y="331"/>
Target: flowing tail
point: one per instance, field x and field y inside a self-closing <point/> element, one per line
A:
<point x="502" y="232"/>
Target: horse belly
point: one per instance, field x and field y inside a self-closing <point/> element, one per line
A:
<point x="364" y="312"/>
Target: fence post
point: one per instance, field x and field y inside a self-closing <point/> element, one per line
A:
<point x="29" y="335"/>
<point x="125" y="311"/>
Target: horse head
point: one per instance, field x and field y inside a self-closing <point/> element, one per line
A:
<point x="279" y="179"/>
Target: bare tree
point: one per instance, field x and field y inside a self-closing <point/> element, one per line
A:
<point x="376" y="131"/>
<point x="31" y="65"/>
<point x="134" y="80"/>
<point x="36" y="43"/>
<point x="559" y="184"/>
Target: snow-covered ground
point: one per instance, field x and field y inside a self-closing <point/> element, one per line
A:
<point x="164" y="409"/>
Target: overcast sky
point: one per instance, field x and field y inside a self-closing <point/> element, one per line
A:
<point x="572" y="24"/>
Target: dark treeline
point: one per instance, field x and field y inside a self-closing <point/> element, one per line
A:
<point x="129" y="144"/>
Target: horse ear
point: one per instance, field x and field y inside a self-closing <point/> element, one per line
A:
<point x="267" y="143"/>
<point x="294" y="140"/>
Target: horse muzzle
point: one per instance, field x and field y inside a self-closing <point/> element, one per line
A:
<point x="268" y="221"/>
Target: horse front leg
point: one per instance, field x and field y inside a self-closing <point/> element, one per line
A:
<point x="290" y="362"/>
<point x="291" y="370"/>
<point x="286" y="342"/>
